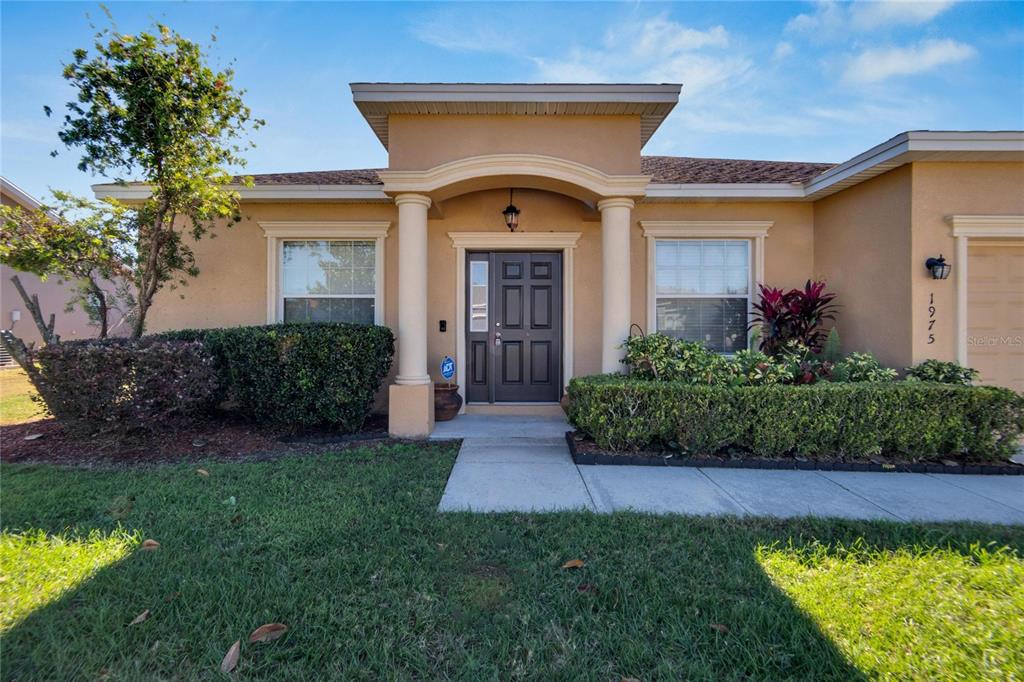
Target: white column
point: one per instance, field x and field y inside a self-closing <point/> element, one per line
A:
<point x="412" y="289"/>
<point x="615" y="280"/>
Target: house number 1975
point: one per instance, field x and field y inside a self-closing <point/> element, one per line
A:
<point x="931" y="318"/>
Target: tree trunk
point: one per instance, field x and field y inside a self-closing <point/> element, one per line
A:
<point x="46" y="332"/>
<point x="102" y="310"/>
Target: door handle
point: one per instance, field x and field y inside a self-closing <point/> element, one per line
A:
<point x="497" y="338"/>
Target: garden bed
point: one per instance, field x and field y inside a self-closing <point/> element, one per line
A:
<point x="585" y="451"/>
<point x="46" y="442"/>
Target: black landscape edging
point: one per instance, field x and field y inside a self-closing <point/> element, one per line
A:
<point x="602" y="458"/>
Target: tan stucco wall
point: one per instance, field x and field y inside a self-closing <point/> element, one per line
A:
<point x="608" y="143"/>
<point x="871" y="242"/>
<point x="862" y="249"/>
<point x="941" y="190"/>
<point x="53" y="294"/>
<point x="231" y="287"/>
<point x="789" y="247"/>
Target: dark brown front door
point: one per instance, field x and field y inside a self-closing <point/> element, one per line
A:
<point x="514" y="326"/>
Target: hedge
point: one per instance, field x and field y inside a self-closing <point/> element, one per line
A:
<point x="907" y="419"/>
<point x="121" y="387"/>
<point x="299" y="375"/>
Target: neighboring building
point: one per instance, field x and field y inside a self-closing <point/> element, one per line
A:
<point x="608" y="238"/>
<point x="53" y="293"/>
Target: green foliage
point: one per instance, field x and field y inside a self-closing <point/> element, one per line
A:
<point x="861" y="367"/>
<point x="906" y="419"/>
<point x="754" y="368"/>
<point x="85" y="242"/>
<point x="147" y="105"/>
<point x="657" y="356"/>
<point x="124" y="387"/>
<point x="942" y="373"/>
<point x="833" y="350"/>
<point x="298" y="375"/>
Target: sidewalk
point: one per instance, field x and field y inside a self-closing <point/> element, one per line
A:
<point x="523" y="464"/>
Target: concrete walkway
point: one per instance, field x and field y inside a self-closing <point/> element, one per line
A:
<point x="523" y="464"/>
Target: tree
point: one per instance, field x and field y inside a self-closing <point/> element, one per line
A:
<point x="149" y="106"/>
<point x="75" y="239"/>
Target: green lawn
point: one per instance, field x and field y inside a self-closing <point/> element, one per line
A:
<point x="348" y="551"/>
<point x="16" y="404"/>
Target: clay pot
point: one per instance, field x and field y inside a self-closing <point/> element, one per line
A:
<point x="447" y="402"/>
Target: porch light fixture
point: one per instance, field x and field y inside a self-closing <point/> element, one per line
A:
<point x="938" y="267"/>
<point x="511" y="214"/>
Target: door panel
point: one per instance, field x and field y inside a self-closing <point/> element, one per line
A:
<point x="518" y="357"/>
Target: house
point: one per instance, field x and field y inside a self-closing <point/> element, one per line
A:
<point x="54" y="293"/>
<point x="608" y="238"/>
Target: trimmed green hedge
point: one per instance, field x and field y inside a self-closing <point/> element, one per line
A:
<point x="299" y="375"/>
<point x="907" y="419"/>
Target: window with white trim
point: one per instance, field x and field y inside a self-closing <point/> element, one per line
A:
<point x="329" y="280"/>
<point x="702" y="291"/>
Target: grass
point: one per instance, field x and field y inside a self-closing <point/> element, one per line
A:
<point x="348" y="551"/>
<point x="16" y="404"/>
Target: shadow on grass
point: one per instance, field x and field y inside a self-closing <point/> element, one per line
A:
<point x="349" y="552"/>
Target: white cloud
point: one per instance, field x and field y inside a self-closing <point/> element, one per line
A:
<point x="651" y="50"/>
<point x="782" y="50"/>
<point x="868" y="15"/>
<point x="877" y="64"/>
<point x="831" y="18"/>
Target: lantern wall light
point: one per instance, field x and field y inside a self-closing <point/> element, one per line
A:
<point x="938" y="267"/>
<point x="511" y="214"/>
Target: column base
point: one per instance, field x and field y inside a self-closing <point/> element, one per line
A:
<point x="410" y="410"/>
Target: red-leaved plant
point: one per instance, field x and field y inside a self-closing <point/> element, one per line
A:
<point x="793" y="315"/>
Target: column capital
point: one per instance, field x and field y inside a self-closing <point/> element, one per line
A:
<point x="615" y="202"/>
<point x="420" y="199"/>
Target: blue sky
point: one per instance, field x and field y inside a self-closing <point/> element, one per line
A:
<point x="814" y="81"/>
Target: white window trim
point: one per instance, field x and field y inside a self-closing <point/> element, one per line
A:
<point x="965" y="227"/>
<point x="754" y="231"/>
<point x="279" y="231"/>
<point x="513" y="241"/>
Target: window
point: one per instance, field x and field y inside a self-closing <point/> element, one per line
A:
<point x="329" y="281"/>
<point x="702" y="291"/>
<point x="478" y="296"/>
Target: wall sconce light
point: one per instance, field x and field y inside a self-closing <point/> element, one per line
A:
<point x="511" y="214"/>
<point x="938" y="267"/>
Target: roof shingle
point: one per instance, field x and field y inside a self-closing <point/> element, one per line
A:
<point x="675" y="170"/>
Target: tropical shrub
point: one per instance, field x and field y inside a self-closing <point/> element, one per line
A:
<point x="794" y="315"/>
<point x="300" y="375"/>
<point x="833" y="349"/>
<point x="754" y="368"/>
<point x="942" y="373"/>
<point x="660" y="357"/>
<point x="861" y="367"/>
<point x="124" y="387"/>
<point x="905" y="419"/>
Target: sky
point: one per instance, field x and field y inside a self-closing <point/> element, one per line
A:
<point x="804" y="81"/>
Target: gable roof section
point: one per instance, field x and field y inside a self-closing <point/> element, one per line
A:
<point x="18" y="195"/>
<point x="680" y="177"/>
<point x="662" y="169"/>
<point x="651" y="102"/>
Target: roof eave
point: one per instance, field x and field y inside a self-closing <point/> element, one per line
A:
<point x="377" y="101"/>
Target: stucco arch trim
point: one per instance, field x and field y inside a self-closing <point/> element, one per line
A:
<point x="519" y="170"/>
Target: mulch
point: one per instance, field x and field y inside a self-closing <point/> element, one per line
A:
<point x="585" y="451"/>
<point x="46" y="442"/>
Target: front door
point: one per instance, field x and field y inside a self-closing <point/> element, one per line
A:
<point x="514" y="326"/>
